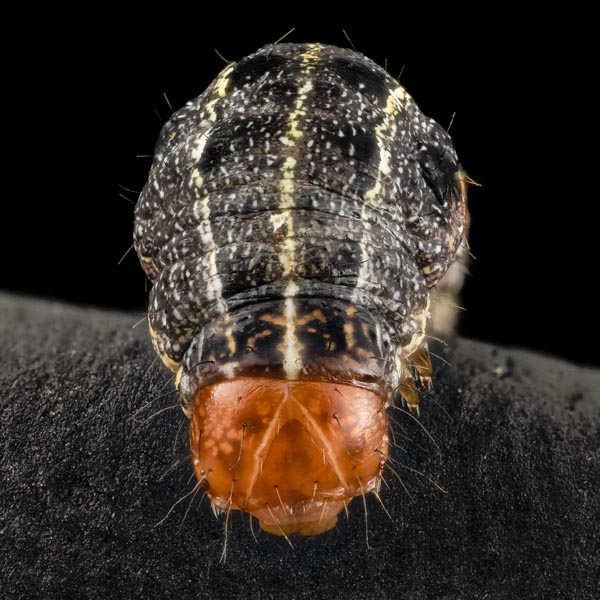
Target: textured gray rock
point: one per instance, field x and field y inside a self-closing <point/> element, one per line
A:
<point x="93" y="460"/>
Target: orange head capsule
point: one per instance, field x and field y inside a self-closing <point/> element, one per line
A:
<point x="291" y="453"/>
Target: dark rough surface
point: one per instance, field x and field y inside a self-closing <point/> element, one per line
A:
<point x="88" y="472"/>
<point x="304" y="176"/>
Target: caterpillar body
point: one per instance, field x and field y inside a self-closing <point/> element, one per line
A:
<point x="296" y="216"/>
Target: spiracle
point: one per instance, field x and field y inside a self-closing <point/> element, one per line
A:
<point x="296" y="216"/>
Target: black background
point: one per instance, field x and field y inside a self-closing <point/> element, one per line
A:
<point x="85" y="105"/>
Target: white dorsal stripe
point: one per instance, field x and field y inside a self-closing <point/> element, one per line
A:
<point x="214" y="284"/>
<point x="384" y="132"/>
<point x="292" y="348"/>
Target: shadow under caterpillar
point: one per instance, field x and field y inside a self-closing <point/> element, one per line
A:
<point x="296" y="216"/>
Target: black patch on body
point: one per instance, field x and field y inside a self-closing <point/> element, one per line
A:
<point x="369" y="79"/>
<point x="252" y="68"/>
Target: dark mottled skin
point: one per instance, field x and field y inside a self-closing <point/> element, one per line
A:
<point x="322" y="335"/>
<point x="369" y="219"/>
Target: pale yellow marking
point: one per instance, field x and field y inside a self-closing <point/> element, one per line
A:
<point x="178" y="377"/>
<point x="167" y="361"/>
<point x="199" y="145"/>
<point x="287" y="258"/>
<point x="317" y="314"/>
<point x="198" y="179"/>
<point x="273" y="319"/>
<point x="231" y="345"/>
<point x="299" y="112"/>
<point x="362" y="353"/>
<point x="312" y="54"/>
<point x="286" y="184"/>
<point x="214" y="285"/>
<point x="262" y="334"/>
<point x="349" y="335"/>
<point x="399" y="94"/>
<point x="218" y="91"/>
<point x="149" y="261"/>
<point x="384" y="131"/>
<point x="292" y="357"/>
<point x="277" y="221"/>
<point x="292" y="347"/>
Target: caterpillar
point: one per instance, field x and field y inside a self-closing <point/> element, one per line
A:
<point x="296" y="216"/>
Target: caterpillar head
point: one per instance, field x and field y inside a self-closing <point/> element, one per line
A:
<point x="291" y="453"/>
